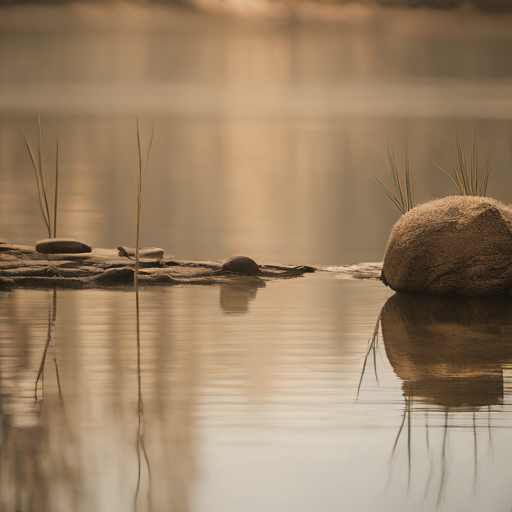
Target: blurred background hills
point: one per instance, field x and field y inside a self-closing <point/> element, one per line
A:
<point x="484" y="5"/>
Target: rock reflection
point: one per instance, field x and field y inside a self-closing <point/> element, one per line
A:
<point x="449" y="351"/>
<point x="236" y="296"/>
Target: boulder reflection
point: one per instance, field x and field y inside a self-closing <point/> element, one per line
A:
<point x="449" y="351"/>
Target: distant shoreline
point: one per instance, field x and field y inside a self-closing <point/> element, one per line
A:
<point x="164" y="14"/>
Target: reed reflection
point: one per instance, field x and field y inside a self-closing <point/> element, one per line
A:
<point x="52" y="317"/>
<point x="141" y="445"/>
<point x="35" y="466"/>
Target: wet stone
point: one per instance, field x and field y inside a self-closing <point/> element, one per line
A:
<point x="241" y="265"/>
<point x="62" y="246"/>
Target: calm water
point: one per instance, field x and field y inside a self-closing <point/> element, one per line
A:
<point x="243" y="399"/>
<point x="257" y="409"/>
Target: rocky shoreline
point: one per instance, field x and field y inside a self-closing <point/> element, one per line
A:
<point x="21" y="266"/>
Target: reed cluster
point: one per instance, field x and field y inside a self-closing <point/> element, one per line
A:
<point x="43" y="197"/>
<point x="403" y="198"/>
<point x="469" y="180"/>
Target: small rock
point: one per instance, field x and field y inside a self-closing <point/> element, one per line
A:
<point x="62" y="246"/>
<point x="148" y="252"/>
<point x="241" y="265"/>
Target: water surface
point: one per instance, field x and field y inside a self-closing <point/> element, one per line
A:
<point x="245" y="398"/>
<point x="256" y="409"/>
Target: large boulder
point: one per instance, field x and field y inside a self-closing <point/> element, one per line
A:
<point x="452" y="246"/>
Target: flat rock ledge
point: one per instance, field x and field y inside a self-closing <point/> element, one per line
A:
<point x="22" y="266"/>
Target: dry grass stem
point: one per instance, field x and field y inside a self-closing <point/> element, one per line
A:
<point x="469" y="181"/>
<point x="42" y="194"/>
<point x="403" y="198"/>
<point x="140" y="188"/>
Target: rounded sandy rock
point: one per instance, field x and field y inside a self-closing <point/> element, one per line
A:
<point x="241" y="265"/>
<point x="455" y="245"/>
<point x="62" y="246"/>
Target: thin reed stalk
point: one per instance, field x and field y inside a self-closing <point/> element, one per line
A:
<point x="403" y="198"/>
<point x="469" y="181"/>
<point x="42" y="194"/>
<point x="140" y="188"/>
<point x="56" y="195"/>
<point x="140" y="404"/>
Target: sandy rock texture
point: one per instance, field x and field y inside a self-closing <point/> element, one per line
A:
<point x="452" y="246"/>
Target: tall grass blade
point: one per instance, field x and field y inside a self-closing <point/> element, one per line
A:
<point x="462" y="166"/>
<point x="403" y="198"/>
<point x="140" y="151"/>
<point x="39" y="186"/>
<point x="139" y="206"/>
<point x="395" y="176"/>
<point x="474" y="173"/>
<point x="56" y="198"/>
<point x="469" y="182"/>
<point x="388" y="193"/>
<point x="487" y="170"/>
<point x="41" y="170"/>
<point x="409" y="192"/>
<point x="140" y="188"/>
<point x="148" y="152"/>
<point x="458" y="176"/>
<point x="451" y="177"/>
